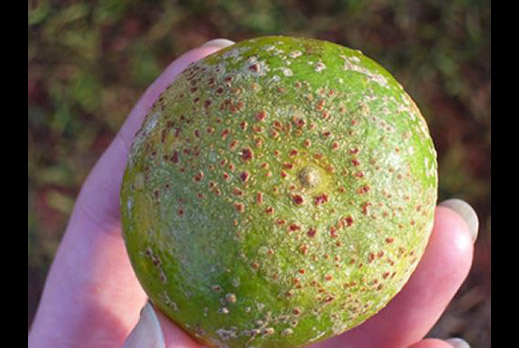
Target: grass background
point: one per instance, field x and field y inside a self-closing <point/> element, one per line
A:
<point x="89" y="61"/>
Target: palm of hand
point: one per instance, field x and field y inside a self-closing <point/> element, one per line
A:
<point x="93" y="299"/>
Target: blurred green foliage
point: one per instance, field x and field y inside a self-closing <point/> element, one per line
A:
<point x="89" y="61"/>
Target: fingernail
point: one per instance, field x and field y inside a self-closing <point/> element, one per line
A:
<point x="466" y="212"/>
<point x="458" y="343"/>
<point x="147" y="332"/>
<point x="219" y="43"/>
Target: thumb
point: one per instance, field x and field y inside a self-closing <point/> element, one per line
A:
<point x="436" y="343"/>
<point x="154" y="330"/>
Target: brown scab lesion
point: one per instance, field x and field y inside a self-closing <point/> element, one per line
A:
<point x="365" y="207"/>
<point x="239" y="207"/>
<point x="254" y="67"/>
<point x="237" y="192"/>
<point x="268" y="331"/>
<point x="259" y="198"/>
<point x="287" y="332"/>
<point x="224" y="310"/>
<point x="309" y="177"/>
<point x="230" y="298"/>
<point x="163" y="277"/>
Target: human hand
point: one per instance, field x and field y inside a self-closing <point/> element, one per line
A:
<point x="92" y="298"/>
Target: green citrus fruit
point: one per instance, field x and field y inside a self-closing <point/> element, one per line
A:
<point x="280" y="191"/>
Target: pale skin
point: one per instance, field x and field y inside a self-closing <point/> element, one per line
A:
<point x="93" y="299"/>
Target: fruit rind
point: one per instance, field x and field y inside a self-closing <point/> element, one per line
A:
<point x="279" y="192"/>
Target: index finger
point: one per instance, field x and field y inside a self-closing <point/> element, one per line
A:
<point x="412" y="313"/>
<point x="99" y="196"/>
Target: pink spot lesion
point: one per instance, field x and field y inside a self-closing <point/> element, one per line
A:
<point x="288" y="165"/>
<point x="198" y="176"/>
<point x="233" y="144"/>
<point x="299" y="123"/>
<point x="294" y="227"/>
<point x="247" y="154"/>
<point x="365" y="207"/>
<point x="325" y="114"/>
<point x="321" y="199"/>
<point x="260" y="116"/>
<point x="298" y="199"/>
<point x="346" y="221"/>
<point x="363" y="189"/>
<point x="311" y="232"/>
<point x="224" y="133"/>
<point x="244" y="176"/>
